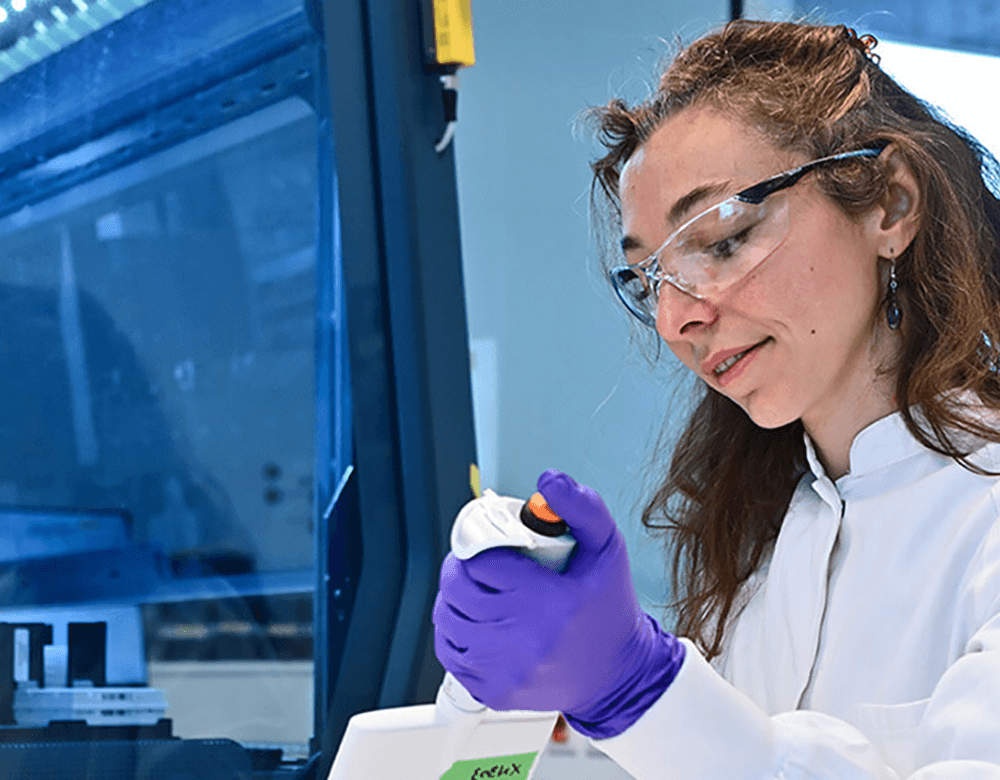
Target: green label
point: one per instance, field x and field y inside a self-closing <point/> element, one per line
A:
<point x="487" y="768"/>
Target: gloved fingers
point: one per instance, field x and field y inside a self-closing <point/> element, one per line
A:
<point x="504" y="569"/>
<point x="482" y="690"/>
<point x="464" y="633"/>
<point x="468" y="609"/>
<point x="470" y="598"/>
<point x="450" y="624"/>
<point x="451" y="656"/>
<point x="476" y="657"/>
<point x="583" y="510"/>
<point x="471" y="681"/>
<point x="448" y="646"/>
<point x="494" y="688"/>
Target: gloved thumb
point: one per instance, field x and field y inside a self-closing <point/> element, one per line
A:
<point x="582" y="508"/>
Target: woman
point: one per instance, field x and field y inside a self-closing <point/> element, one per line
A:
<point x="822" y="252"/>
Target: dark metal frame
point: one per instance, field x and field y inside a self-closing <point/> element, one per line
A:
<point x="413" y="432"/>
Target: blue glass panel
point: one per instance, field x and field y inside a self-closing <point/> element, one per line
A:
<point x="157" y="344"/>
<point x="173" y="357"/>
<point x="162" y="338"/>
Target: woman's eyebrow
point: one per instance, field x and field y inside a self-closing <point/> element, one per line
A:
<point x="686" y="203"/>
<point x="682" y="206"/>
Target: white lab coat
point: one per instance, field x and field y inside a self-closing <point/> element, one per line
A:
<point x="869" y="646"/>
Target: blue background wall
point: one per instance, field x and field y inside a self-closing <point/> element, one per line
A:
<point x="570" y="391"/>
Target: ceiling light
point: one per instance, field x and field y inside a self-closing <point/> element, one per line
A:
<point x="19" y="5"/>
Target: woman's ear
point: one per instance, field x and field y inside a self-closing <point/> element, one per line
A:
<point x="896" y="218"/>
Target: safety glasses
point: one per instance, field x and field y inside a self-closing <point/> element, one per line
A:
<point x="720" y="246"/>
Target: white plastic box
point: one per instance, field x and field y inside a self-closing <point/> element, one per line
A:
<point x="409" y="742"/>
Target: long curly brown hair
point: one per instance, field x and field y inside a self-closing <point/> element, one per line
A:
<point x="818" y="90"/>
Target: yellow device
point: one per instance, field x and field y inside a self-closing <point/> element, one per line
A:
<point x="474" y="481"/>
<point x="448" y="34"/>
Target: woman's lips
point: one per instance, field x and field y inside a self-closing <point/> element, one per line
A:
<point x="728" y="366"/>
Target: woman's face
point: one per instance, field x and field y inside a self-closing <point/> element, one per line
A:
<point x="807" y="321"/>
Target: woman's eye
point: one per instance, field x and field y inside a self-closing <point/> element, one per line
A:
<point x="638" y="284"/>
<point x="642" y="294"/>
<point x="727" y="247"/>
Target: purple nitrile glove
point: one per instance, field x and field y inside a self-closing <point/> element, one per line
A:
<point x="520" y="636"/>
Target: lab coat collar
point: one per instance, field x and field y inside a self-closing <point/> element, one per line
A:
<point x="884" y="456"/>
<point x="884" y="442"/>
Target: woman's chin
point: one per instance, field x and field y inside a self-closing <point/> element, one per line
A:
<point x="766" y="415"/>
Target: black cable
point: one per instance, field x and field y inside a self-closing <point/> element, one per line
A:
<point x="450" y="95"/>
<point x="449" y="83"/>
<point x="735" y="9"/>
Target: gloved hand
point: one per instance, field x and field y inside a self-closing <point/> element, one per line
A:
<point x="520" y="636"/>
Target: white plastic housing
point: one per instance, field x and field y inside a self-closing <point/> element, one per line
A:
<point x="407" y="742"/>
<point x="495" y="521"/>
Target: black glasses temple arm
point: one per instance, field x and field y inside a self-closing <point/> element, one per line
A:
<point x="758" y="192"/>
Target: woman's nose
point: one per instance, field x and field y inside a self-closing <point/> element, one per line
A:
<point x="680" y="313"/>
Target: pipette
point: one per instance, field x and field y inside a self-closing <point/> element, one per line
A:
<point x="496" y="521"/>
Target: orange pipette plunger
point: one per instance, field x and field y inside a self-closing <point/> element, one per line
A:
<point x="537" y="515"/>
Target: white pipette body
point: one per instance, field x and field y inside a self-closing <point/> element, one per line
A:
<point x="489" y="521"/>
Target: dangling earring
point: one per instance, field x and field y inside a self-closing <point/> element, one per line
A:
<point x="893" y="314"/>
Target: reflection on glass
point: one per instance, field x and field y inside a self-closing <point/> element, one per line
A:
<point x="31" y="31"/>
<point x="157" y="352"/>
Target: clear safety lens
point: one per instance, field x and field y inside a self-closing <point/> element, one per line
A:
<point x="706" y="255"/>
